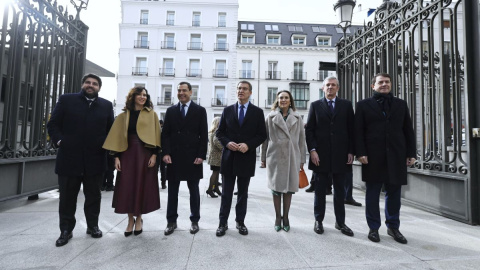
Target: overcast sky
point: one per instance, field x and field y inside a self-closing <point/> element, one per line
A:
<point x="103" y="17"/>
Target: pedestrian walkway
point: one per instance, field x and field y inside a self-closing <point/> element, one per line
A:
<point x="29" y="230"/>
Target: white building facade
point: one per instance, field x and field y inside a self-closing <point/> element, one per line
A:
<point x="163" y="43"/>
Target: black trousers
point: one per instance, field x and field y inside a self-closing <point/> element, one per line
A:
<point x="227" y="196"/>
<point x="348" y="186"/>
<point x="172" y="201"/>
<point x="321" y="182"/>
<point x="69" y="187"/>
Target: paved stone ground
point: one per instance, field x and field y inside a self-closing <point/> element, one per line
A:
<point x="29" y="230"/>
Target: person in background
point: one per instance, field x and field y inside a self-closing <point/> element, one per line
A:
<point x="214" y="159"/>
<point x="109" y="175"/>
<point x="162" y="166"/>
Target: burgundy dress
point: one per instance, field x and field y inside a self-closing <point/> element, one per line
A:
<point x="136" y="186"/>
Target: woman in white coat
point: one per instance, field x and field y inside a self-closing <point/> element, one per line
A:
<point x="283" y="154"/>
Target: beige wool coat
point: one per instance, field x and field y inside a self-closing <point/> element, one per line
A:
<point x="284" y="150"/>
<point x="214" y="150"/>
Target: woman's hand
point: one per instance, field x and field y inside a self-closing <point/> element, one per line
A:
<point x="117" y="164"/>
<point x="152" y="161"/>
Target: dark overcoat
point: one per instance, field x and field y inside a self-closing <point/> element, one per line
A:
<point x="252" y="132"/>
<point x="82" y="130"/>
<point x="387" y="140"/>
<point x="331" y="135"/>
<point x="185" y="139"/>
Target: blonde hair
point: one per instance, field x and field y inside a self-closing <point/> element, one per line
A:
<point x="215" y="123"/>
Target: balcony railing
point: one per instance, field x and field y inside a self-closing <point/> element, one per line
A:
<point x="170" y="22"/>
<point x="219" y="102"/>
<point x="167" y="72"/>
<point x="247" y="74"/>
<point x="195" y="23"/>
<point x="140" y="71"/>
<point x="165" y="101"/>
<point x="299" y="76"/>
<point x="194" y="73"/>
<point x="220" y="73"/>
<point x="143" y="44"/>
<point x="194" y="45"/>
<point x="301" y="104"/>
<point x="143" y="21"/>
<point x="168" y="45"/>
<point x="220" y="47"/>
<point x="272" y="75"/>
<point x="222" y="24"/>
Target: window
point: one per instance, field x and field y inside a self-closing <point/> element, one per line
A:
<point x="272" y="73"/>
<point x="321" y="94"/>
<point x="298" y="73"/>
<point x="196" y="19"/>
<point x="139" y="85"/>
<point x="246" y="72"/>
<point x="220" y="69"/>
<point x="169" y="42"/>
<point x="340" y="31"/>
<point x="194" y="68"/>
<point x="144" y="17"/>
<point x="271" y="27"/>
<point x="166" y="98"/>
<point x="322" y="74"/>
<point x="248" y="38"/>
<point x="170" y="17"/>
<point x="318" y="29"/>
<point x="195" y="42"/>
<point x="168" y="69"/>
<point x="272" y="94"/>
<point x="140" y="66"/>
<point x="323" y="41"/>
<point x="221" y="44"/>
<point x="142" y="40"/>
<point x="222" y="19"/>
<point x="195" y="94"/>
<point x="301" y="94"/>
<point x="219" y="99"/>
<point x="273" y="39"/>
<point x="245" y="26"/>
<point x="295" y="28"/>
<point x="298" y="40"/>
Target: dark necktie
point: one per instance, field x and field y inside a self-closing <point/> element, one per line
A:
<point x="241" y="116"/>
<point x="330" y="106"/>
<point x="89" y="102"/>
<point x="183" y="110"/>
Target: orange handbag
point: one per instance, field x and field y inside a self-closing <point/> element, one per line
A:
<point x="302" y="179"/>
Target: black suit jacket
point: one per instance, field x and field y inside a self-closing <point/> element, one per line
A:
<point x="331" y="135"/>
<point x="387" y="140"/>
<point x="252" y="132"/>
<point x="185" y="139"/>
<point x="82" y="130"/>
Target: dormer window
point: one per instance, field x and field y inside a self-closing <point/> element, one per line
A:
<point x="298" y="40"/>
<point x="273" y="39"/>
<point x="248" y="38"/>
<point x="323" y="41"/>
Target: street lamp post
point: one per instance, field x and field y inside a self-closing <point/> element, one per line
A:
<point x="82" y="4"/>
<point x="344" y="10"/>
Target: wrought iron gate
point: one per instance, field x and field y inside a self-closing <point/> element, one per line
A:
<point x="42" y="55"/>
<point x="423" y="46"/>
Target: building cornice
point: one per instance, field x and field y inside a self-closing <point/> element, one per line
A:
<point x="285" y="48"/>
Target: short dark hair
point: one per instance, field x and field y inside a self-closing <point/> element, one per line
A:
<point x="292" y="102"/>
<point x="91" y="75"/>
<point x="247" y="82"/>
<point x="380" y="75"/>
<point x="188" y="85"/>
<point x="130" y="102"/>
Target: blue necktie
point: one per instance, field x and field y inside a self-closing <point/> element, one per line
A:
<point x="182" y="111"/>
<point x="241" y="116"/>
<point x="330" y="105"/>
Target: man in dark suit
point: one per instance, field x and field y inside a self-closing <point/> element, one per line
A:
<point x="241" y="131"/>
<point x="78" y="126"/>
<point x="184" y="148"/>
<point x="385" y="145"/>
<point x="329" y="136"/>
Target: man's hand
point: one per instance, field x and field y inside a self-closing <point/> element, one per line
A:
<point x="301" y="166"/>
<point x="314" y="157"/>
<point x="232" y="146"/>
<point x="117" y="164"/>
<point x="363" y="159"/>
<point x="350" y="159"/>
<point x="243" y="147"/>
<point x="167" y="159"/>
<point x="198" y="161"/>
<point x="152" y="161"/>
<point x="410" y="161"/>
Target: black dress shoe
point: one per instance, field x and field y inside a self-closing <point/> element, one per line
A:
<point x="194" y="228"/>
<point x="242" y="229"/>
<point x="103" y="188"/>
<point x="353" y="202"/>
<point x="310" y="189"/>
<point x="374" y="236"/>
<point x="127" y="234"/>
<point x="397" y="235"/>
<point x="235" y="193"/>
<point x="139" y="231"/>
<point x="328" y="192"/>
<point x="222" y="228"/>
<point x="211" y="193"/>
<point x="164" y="184"/>
<point x="318" y="227"/>
<point x="170" y="228"/>
<point x="217" y="190"/>
<point x="63" y="239"/>
<point x="95" y="232"/>
<point x="110" y="188"/>
<point x="344" y="229"/>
